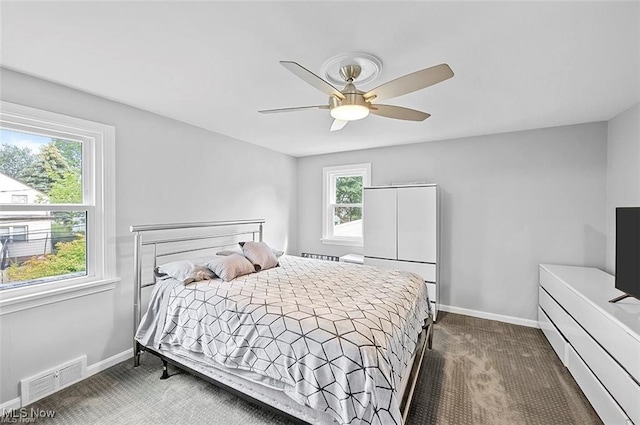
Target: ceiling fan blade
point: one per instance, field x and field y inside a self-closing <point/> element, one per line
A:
<point x="410" y="82"/>
<point x="312" y="79"/>
<point x="338" y="125"/>
<point x="398" y="112"/>
<point x="299" y="108"/>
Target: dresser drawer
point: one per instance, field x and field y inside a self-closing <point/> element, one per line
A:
<point x="613" y="338"/>
<point x="434" y="310"/>
<point x="600" y="399"/>
<point x="556" y="314"/>
<point x="557" y="341"/>
<point x="426" y="270"/>
<point x="432" y="289"/>
<point x="614" y="378"/>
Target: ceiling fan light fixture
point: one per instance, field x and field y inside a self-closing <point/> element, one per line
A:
<point x="349" y="112"/>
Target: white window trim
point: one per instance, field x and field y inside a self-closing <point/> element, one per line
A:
<point x="99" y="166"/>
<point x="328" y="174"/>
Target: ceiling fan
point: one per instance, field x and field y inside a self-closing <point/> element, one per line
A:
<point x="350" y="104"/>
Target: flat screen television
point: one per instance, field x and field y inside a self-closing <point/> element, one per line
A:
<point x="628" y="252"/>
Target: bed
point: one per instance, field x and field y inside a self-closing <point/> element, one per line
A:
<point x="320" y="342"/>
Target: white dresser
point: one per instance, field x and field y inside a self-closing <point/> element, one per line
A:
<point x="401" y="231"/>
<point x="599" y="342"/>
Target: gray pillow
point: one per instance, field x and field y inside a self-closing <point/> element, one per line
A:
<point x="260" y="255"/>
<point x="229" y="267"/>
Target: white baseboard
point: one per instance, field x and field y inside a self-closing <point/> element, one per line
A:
<point x="111" y="361"/>
<point x="10" y="405"/>
<point x="91" y="370"/>
<point x="491" y="316"/>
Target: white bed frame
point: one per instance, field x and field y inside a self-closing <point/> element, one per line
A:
<point x="160" y="238"/>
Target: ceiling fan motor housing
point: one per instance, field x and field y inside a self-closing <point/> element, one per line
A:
<point x="355" y="98"/>
<point x="352" y="107"/>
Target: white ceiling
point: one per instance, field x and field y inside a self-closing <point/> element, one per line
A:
<point x="518" y="65"/>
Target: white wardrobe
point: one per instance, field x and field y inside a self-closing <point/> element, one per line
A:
<point x="401" y="231"/>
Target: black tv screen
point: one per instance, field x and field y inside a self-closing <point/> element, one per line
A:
<point x="628" y="251"/>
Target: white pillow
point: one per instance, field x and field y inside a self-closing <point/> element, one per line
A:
<point x="260" y="255"/>
<point x="185" y="271"/>
<point x="229" y="267"/>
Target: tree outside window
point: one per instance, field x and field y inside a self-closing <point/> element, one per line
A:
<point x="41" y="244"/>
<point x="343" y="208"/>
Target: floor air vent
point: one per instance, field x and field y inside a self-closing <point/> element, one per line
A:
<point x="72" y="373"/>
<point x="52" y="380"/>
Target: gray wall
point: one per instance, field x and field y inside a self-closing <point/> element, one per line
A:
<point x="509" y="202"/>
<point x="623" y="171"/>
<point x="166" y="171"/>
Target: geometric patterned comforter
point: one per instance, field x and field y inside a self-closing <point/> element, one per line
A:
<point x="338" y="336"/>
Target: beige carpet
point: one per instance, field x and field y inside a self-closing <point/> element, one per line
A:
<point x="479" y="372"/>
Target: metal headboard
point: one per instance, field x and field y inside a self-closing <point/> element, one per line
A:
<point x="152" y="235"/>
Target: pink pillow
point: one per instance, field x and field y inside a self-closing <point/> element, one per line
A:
<point x="260" y="255"/>
<point x="229" y="267"/>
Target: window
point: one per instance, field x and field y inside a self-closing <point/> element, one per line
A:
<point x="13" y="233"/>
<point x="56" y="201"/>
<point x="20" y="233"/>
<point x="342" y="203"/>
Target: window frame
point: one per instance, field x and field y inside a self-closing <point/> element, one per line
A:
<point x="329" y="177"/>
<point x="25" y="197"/>
<point x="11" y="233"/>
<point x="98" y="175"/>
<point x="23" y="235"/>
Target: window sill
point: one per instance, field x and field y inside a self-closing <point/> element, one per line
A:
<point x="13" y="300"/>
<point x="343" y="242"/>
